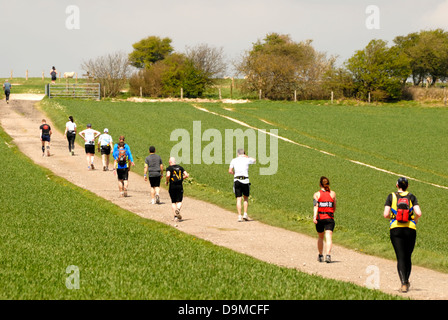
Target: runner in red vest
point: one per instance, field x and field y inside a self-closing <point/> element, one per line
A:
<point x="324" y="208"/>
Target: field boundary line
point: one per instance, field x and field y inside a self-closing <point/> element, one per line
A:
<point x="315" y="149"/>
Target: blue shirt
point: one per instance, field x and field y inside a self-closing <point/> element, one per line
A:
<point x="7" y="86"/>
<point x="128" y="154"/>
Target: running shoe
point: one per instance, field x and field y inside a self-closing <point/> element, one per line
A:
<point x="320" y="258"/>
<point x="93" y="167"/>
<point x="245" y="217"/>
<point x="240" y="218"/>
<point x="177" y="214"/>
<point x="327" y="258"/>
<point x="157" y="199"/>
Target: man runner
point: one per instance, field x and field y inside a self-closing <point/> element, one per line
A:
<point x="175" y="176"/>
<point x="45" y="136"/>
<point x="89" y="135"/>
<point x="239" y="167"/>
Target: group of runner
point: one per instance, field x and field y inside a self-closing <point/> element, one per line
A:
<point x="401" y="207"/>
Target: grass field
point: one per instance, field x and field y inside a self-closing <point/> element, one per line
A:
<point x="46" y="227"/>
<point x="402" y="138"/>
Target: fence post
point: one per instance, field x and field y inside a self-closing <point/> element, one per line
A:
<point x="181" y="93"/>
<point x="220" y="96"/>
<point x="369" y="97"/>
<point x="11" y="74"/>
<point x="231" y="89"/>
<point x="332" y="96"/>
<point x="295" y="95"/>
<point x="259" y="95"/>
<point x="444" y="96"/>
<point x="26" y="75"/>
<point x="43" y="75"/>
<point x="141" y="92"/>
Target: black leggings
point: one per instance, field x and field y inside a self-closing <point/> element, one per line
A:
<point x="403" y="241"/>
<point x="71" y="140"/>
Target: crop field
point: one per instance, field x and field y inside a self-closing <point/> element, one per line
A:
<point x="359" y="148"/>
<point x="46" y="228"/>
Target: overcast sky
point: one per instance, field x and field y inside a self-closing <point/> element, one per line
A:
<point x="39" y="34"/>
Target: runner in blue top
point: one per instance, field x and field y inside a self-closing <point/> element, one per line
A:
<point x="122" y="164"/>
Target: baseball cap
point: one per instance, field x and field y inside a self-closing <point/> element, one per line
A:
<point x="106" y="130"/>
<point x="89" y="125"/>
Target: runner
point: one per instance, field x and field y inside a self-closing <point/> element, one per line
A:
<point x="70" y="133"/>
<point x="175" y="176"/>
<point x="403" y="210"/>
<point x="122" y="162"/>
<point x="45" y="136"/>
<point x="239" y="167"/>
<point x="89" y="135"/>
<point x="323" y="218"/>
<point x="154" y="169"/>
<point x="7" y="89"/>
<point x="104" y="145"/>
<point x="126" y="146"/>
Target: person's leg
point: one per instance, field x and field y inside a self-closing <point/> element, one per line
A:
<point x="245" y="206"/>
<point x="120" y="187"/>
<point x="399" y="244"/>
<point x="47" y="145"/>
<point x="153" y="194"/>
<point x="328" y="244"/>
<point x="157" y="191"/>
<point x="238" y="207"/>
<point x="125" y="187"/>
<point x="43" y="148"/>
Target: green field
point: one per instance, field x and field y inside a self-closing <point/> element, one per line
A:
<point x="402" y="138"/>
<point x="48" y="225"/>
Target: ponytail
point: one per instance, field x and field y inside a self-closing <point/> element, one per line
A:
<point x="325" y="183"/>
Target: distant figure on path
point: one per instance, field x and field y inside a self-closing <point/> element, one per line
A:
<point x="45" y="137"/>
<point x="53" y="74"/>
<point x="323" y="218"/>
<point x="239" y="167"/>
<point x="154" y="170"/>
<point x="7" y="89"/>
<point x="403" y="210"/>
<point x="175" y="176"/>
<point x="89" y="135"/>
<point x="70" y="133"/>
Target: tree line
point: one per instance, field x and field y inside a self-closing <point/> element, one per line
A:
<point x="277" y="66"/>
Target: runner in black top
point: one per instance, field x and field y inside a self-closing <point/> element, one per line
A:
<point x="175" y="176"/>
<point x="45" y="135"/>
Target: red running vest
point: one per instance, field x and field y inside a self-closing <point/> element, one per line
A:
<point x="326" y="206"/>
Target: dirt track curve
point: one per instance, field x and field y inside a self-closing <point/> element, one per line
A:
<point x="21" y="120"/>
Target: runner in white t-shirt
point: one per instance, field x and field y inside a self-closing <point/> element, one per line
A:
<point x="89" y="135"/>
<point x="105" y="146"/>
<point x="239" y="167"/>
<point x="70" y="133"/>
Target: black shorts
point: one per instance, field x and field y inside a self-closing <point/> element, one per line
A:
<point x="90" y="148"/>
<point x="325" y="224"/>
<point x="176" y="193"/>
<point x="46" y="137"/>
<point x="241" y="189"/>
<point x="105" y="150"/>
<point x="123" y="174"/>
<point x="154" y="181"/>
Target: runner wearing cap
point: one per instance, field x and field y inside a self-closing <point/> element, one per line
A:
<point x="104" y="145"/>
<point x="89" y="135"/>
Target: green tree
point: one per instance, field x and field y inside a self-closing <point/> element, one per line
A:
<point x="150" y="50"/>
<point x="279" y="66"/>
<point x="379" y="70"/>
<point x="428" y="54"/>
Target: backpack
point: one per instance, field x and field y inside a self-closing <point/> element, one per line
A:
<point x="122" y="157"/>
<point x="176" y="175"/>
<point x="403" y="212"/>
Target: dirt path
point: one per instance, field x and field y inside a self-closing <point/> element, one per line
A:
<point x="21" y="120"/>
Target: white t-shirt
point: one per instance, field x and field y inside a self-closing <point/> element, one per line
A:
<point x="105" y="140"/>
<point x="240" y="167"/>
<point x="71" y="126"/>
<point x="89" y="135"/>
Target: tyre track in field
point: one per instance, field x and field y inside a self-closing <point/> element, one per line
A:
<point x="21" y="120"/>
<point x="315" y="149"/>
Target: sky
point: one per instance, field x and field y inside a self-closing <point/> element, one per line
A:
<point x="39" y="34"/>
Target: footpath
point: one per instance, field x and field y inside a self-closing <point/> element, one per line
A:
<point x="21" y="120"/>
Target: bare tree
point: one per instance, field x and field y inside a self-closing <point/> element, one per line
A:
<point x="210" y="61"/>
<point x="111" y="71"/>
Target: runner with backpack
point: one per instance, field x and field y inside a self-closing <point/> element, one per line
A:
<point x="122" y="165"/>
<point x="175" y="175"/>
<point x="403" y="211"/>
